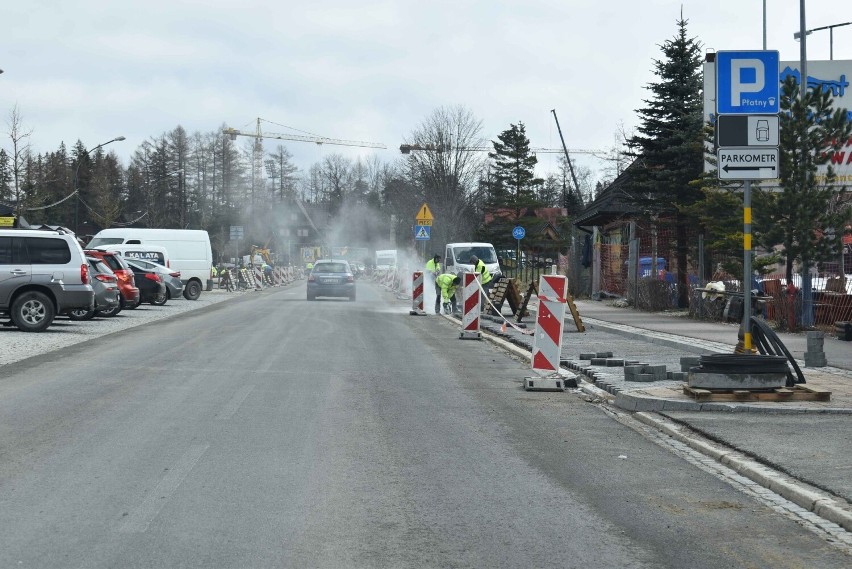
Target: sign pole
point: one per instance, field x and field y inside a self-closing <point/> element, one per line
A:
<point x="747" y="247"/>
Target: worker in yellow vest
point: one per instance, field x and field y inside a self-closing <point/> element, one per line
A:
<point x="447" y="283"/>
<point x="485" y="278"/>
<point x="433" y="267"/>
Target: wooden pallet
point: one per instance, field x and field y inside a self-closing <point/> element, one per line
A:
<point x="797" y="393"/>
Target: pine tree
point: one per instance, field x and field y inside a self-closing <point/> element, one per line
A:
<point x="670" y="145"/>
<point x="514" y="169"/>
<point x="805" y="217"/>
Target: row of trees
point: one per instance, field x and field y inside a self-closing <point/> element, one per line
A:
<point x="209" y="181"/>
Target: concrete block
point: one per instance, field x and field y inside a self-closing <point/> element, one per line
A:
<point x="687" y="362"/>
<point x="613" y="362"/>
<point x="643" y="377"/>
<point x="604" y="354"/>
<point x="704" y="380"/>
<point x="598" y="361"/>
<point x="815" y="359"/>
<point x="632" y="370"/>
<point x="587" y="356"/>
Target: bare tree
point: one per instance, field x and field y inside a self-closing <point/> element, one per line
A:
<point x="447" y="170"/>
<point x="19" y="156"/>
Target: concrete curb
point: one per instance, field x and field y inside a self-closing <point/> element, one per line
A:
<point x="823" y="504"/>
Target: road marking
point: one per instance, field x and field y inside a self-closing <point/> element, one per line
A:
<point x="138" y="519"/>
<point x="235" y="402"/>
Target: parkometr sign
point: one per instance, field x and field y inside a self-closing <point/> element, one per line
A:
<point x="746" y="90"/>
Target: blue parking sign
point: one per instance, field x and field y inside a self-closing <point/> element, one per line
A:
<point x="747" y="82"/>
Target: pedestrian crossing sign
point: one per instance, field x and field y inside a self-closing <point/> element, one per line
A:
<point x="422" y="232"/>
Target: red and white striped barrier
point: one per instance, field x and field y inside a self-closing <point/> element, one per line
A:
<point x="277" y="276"/>
<point x="547" y="342"/>
<point x="470" y="308"/>
<point x="417" y="294"/>
<point x="258" y="276"/>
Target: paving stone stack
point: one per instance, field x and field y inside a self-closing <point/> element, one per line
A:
<point x="645" y="372"/>
<point x="844" y="331"/>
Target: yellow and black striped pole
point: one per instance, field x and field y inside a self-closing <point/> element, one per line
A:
<point x="745" y="344"/>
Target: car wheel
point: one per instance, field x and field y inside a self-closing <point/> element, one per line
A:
<point x="133" y="305"/>
<point x="109" y="312"/>
<point x="81" y="314"/>
<point x="192" y="290"/>
<point x="160" y="299"/>
<point x="352" y="297"/>
<point x="32" y="311"/>
<point x="312" y="297"/>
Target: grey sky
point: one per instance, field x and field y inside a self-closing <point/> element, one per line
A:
<point x="369" y="70"/>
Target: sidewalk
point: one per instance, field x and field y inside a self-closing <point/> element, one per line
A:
<point x="692" y="337"/>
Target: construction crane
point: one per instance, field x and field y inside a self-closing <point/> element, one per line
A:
<point x="567" y="157"/>
<point x="258" y="135"/>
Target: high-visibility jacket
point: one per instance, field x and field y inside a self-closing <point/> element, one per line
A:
<point x="482" y="270"/>
<point x="433" y="267"/>
<point x="445" y="283"/>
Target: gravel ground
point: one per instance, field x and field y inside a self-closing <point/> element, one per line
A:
<point x="16" y="345"/>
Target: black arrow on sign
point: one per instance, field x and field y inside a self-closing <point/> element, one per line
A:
<point x="749" y="168"/>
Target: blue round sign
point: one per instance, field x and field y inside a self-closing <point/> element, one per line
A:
<point x="518" y="232"/>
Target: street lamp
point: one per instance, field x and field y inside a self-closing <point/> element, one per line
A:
<point x="798" y="35"/>
<point x="77" y="171"/>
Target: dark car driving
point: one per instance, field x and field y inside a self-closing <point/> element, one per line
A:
<point x="331" y="278"/>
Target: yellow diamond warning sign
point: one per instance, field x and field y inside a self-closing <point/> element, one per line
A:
<point x="425" y="214"/>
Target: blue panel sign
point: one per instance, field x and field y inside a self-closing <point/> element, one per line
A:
<point x="747" y="82"/>
<point x="422" y="232"/>
<point x="518" y="232"/>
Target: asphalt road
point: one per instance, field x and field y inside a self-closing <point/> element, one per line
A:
<point x="269" y="431"/>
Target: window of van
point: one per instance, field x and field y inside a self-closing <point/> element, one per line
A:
<point x="98" y="241"/>
<point x="485" y="254"/>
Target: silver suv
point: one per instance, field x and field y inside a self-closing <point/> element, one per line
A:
<point x="42" y="273"/>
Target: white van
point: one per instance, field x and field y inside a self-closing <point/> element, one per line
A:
<point x="154" y="253"/>
<point x="188" y="251"/>
<point x="457" y="258"/>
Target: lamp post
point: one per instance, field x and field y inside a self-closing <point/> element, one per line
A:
<point x="76" y="172"/>
<point x="798" y="35"/>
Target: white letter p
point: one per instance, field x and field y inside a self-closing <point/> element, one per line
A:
<point x="738" y="87"/>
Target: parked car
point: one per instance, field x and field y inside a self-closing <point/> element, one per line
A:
<point x="30" y="293"/>
<point x="107" y="296"/>
<point x="189" y="252"/>
<point x="331" y="278"/>
<point x="151" y="287"/>
<point x="174" y="286"/>
<point x="126" y="281"/>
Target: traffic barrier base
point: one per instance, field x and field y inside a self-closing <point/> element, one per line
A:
<point x="552" y="382"/>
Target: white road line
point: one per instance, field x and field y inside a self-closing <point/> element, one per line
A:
<point x="138" y="519"/>
<point x="235" y="402"/>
